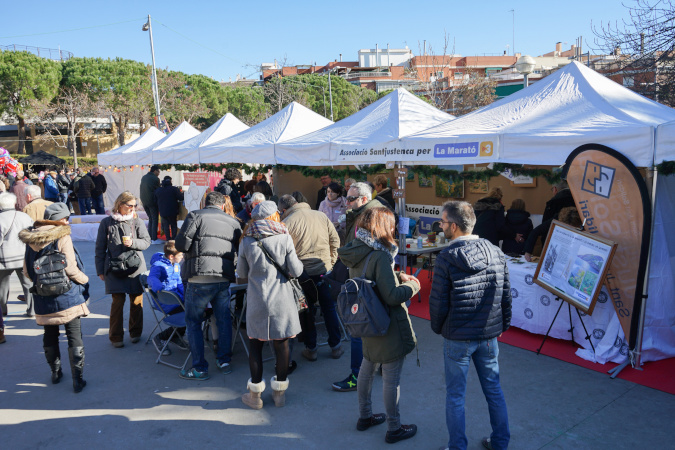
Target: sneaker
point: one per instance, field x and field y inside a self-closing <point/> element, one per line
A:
<point x="336" y="352"/>
<point x="375" y="419"/>
<point x="119" y="344"/>
<point x="310" y="355"/>
<point x="346" y="385"/>
<point x="159" y="345"/>
<point x="225" y="367"/>
<point x="405" y="432"/>
<point x="179" y="342"/>
<point x="193" y="374"/>
<point x="135" y="340"/>
<point x="487" y="443"/>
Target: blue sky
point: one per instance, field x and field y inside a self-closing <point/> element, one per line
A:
<point x="225" y="38"/>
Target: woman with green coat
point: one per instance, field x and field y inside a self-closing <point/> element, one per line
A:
<point x="375" y="234"/>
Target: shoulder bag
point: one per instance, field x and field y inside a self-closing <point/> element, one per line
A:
<point x="298" y="293"/>
<point x="126" y="262"/>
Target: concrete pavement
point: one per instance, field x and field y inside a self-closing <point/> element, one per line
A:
<point x="131" y="401"/>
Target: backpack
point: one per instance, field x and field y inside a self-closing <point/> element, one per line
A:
<point x="50" y="272"/>
<point x="360" y="308"/>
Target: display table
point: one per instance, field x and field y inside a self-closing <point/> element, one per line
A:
<point x="533" y="310"/>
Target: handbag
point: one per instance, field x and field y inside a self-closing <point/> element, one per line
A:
<point x="361" y="310"/>
<point x="298" y="293"/>
<point x="126" y="262"/>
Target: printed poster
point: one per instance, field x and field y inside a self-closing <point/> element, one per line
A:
<point x="198" y="183"/>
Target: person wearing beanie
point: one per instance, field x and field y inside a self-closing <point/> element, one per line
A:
<point x="49" y="240"/>
<point x="168" y="197"/>
<point x="271" y="312"/>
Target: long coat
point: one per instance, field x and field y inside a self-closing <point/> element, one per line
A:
<point x="271" y="312"/>
<point x="400" y="337"/>
<point x="109" y="245"/>
<point x="12" y="250"/>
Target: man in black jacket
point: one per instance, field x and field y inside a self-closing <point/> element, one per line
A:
<point x="209" y="238"/>
<point x="470" y="305"/>
<point x="100" y="186"/>
<point x="167" y="197"/>
<point x="82" y="189"/>
<point x="149" y="184"/>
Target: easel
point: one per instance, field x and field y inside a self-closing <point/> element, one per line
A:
<point x="571" y="330"/>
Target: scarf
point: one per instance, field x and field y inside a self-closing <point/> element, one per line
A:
<point x="260" y="229"/>
<point x="339" y="201"/>
<point x="367" y="238"/>
<point x="120" y="218"/>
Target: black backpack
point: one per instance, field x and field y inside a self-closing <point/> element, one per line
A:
<point x="50" y="272"/>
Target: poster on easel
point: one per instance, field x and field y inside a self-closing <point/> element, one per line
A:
<point x="573" y="265"/>
<point x="198" y="183"/>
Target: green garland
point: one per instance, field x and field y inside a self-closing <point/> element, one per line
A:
<point x="666" y="168"/>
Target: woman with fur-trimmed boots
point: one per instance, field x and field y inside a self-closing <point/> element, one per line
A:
<point x="61" y="289"/>
<point x="271" y="312"/>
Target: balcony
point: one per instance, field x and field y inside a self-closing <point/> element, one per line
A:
<point x="354" y="75"/>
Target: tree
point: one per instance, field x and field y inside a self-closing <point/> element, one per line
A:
<point x="471" y="94"/>
<point x="123" y="85"/>
<point x="71" y="105"/>
<point x="25" y="77"/>
<point x="246" y="103"/>
<point x="647" y="41"/>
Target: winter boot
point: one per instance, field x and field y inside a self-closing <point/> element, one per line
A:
<point x="53" y="355"/>
<point x="279" y="394"/>
<point x="252" y="397"/>
<point x="77" y="367"/>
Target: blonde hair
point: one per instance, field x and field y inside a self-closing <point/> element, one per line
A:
<point x="496" y="192"/>
<point x="124" y="197"/>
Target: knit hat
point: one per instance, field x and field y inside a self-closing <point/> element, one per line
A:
<point x="263" y="210"/>
<point x="56" y="211"/>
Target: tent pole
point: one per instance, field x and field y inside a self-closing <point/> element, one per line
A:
<point x="401" y="214"/>
<point x="637" y="352"/>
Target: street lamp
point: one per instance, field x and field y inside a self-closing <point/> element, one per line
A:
<point x="155" y="92"/>
<point x="525" y="65"/>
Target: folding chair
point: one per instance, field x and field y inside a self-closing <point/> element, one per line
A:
<point x="156" y="312"/>
<point x="172" y="321"/>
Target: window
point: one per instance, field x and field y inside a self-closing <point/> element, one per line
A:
<point x="459" y="75"/>
<point x="629" y="81"/>
<point x="439" y="74"/>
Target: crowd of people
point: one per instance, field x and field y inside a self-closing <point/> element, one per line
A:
<point x="246" y="234"/>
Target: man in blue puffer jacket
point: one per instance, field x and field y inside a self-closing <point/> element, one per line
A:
<point x="165" y="276"/>
<point x="470" y="305"/>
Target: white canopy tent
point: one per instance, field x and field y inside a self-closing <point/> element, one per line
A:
<point x="545" y="122"/>
<point x="188" y="152"/>
<point x="146" y="139"/>
<point x="373" y="128"/>
<point x="256" y="145"/>
<point x="180" y="134"/>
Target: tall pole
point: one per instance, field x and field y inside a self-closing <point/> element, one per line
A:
<point x="330" y="95"/>
<point x="513" y="30"/>
<point x="155" y="90"/>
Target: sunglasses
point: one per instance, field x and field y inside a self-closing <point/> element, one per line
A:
<point x="353" y="198"/>
<point x="130" y="206"/>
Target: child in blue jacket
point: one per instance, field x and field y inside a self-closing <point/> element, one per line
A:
<point x="165" y="276"/>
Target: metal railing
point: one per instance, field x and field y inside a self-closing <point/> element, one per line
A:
<point x="49" y="53"/>
<point x="351" y="76"/>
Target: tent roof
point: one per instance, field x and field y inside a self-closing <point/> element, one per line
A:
<point x="140" y="155"/>
<point x="149" y="137"/>
<point x="43" y="158"/>
<point x="665" y="143"/>
<point x="543" y="123"/>
<point x="187" y="152"/>
<point x="256" y="145"/>
<point x="381" y="123"/>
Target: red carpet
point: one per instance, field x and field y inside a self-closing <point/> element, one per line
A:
<point x="654" y="374"/>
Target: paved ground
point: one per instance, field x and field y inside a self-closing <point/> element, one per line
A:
<point x="130" y="400"/>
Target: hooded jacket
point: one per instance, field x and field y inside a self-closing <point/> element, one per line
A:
<point x="60" y="309"/>
<point x="227" y="187"/>
<point x="51" y="189"/>
<point x="315" y="238"/>
<point x="164" y="275"/>
<point x="470" y="293"/>
<point x="167" y="198"/>
<point x="149" y="184"/>
<point x="83" y="186"/>
<point x="353" y="215"/>
<point x="388" y="195"/>
<point x="489" y="219"/>
<point x="400" y="338"/>
<point x="100" y="185"/>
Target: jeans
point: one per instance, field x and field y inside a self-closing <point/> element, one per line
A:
<point x="316" y="290"/>
<point x="457" y="355"/>
<point x="85" y="206"/>
<point x="73" y="333"/>
<point x="116" y="331"/>
<point x="391" y="390"/>
<point x="169" y="227"/>
<point x="97" y="202"/>
<point x="197" y="296"/>
<point x="26" y="284"/>
<point x="357" y="355"/>
<point x="153" y="220"/>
